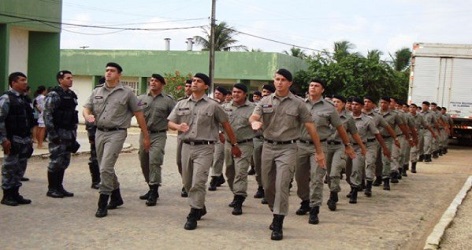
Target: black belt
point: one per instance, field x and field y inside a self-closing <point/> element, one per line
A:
<point x="399" y="135"/>
<point x="310" y="142"/>
<point x="355" y="143"/>
<point x="199" y="142"/>
<point x="371" y="140"/>
<point x="110" y="129"/>
<point x="259" y="137"/>
<point x="157" y="131"/>
<point x="244" y="141"/>
<point x="334" y="143"/>
<point x="281" y="142"/>
<point x="386" y="136"/>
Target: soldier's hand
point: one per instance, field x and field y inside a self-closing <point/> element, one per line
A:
<point x="350" y="152"/>
<point x="221" y="137"/>
<point x="256" y="125"/>
<point x="411" y="142"/>
<point x="397" y="143"/>
<point x="236" y="151"/>
<point x="183" y="127"/>
<point x="434" y="136"/>
<point x="6" y="146"/>
<point x="386" y="152"/>
<point x="320" y="159"/>
<point x="90" y="118"/>
<point x="363" y="151"/>
<point x="146" y="143"/>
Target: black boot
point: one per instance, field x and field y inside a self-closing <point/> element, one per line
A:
<point x="304" y="207"/>
<point x="153" y="195"/>
<point x="60" y="187"/>
<point x="394" y="177"/>
<point x="314" y="215"/>
<point x="440" y="152"/>
<point x="260" y="193"/>
<point x="213" y="183"/>
<point x="19" y="198"/>
<point x="427" y="158"/>
<point x="368" y="189"/>
<point x="377" y="182"/>
<point x="251" y="171"/>
<point x="95" y="173"/>
<point x="8" y="198"/>
<point x="191" y="223"/>
<point x="115" y="199"/>
<point x="413" y="167"/>
<point x="264" y="201"/>
<point x="435" y="154"/>
<point x="386" y="182"/>
<point x="53" y="186"/>
<point x="362" y="186"/>
<point x="183" y="192"/>
<point x="277" y="225"/>
<point x="333" y="199"/>
<point x="353" y="198"/>
<point x="405" y="168"/>
<point x="421" y="158"/>
<point x="102" y="206"/>
<point x="233" y="202"/>
<point x="238" y="206"/>
<point x="201" y="213"/>
<point x="146" y="195"/>
<point x="445" y="151"/>
<point x="221" y="180"/>
<point x="399" y="173"/>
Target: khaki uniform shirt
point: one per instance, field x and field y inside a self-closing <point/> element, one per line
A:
<point x="324" y="115"/>
<point x="378" y="120"/>
<point x="365" y="127"/>
<point x="113" y="108"/>
<point x="156" y="110"/>
<point x="393" y="119"/>
<point x="429" y="118"/>
<point x="203" y="117"/>
<point x="239" y="119"/>
<point x="348" y="123"/>
<point x="282" y="116"/>
<point x="419" y="121"/>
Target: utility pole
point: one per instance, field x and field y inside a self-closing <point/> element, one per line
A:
<point x="212" y="46"/>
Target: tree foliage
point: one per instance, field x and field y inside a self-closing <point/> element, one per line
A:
<point x="352" y="74"/>
<point x="175" y="84"/>
<point x="224" y="40"/>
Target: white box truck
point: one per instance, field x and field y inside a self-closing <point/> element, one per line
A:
<point x="442" y="73"/>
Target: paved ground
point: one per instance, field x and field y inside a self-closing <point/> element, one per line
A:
<point x="398" y="219"/>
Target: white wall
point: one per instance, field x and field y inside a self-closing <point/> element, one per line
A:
<point x="18" y="57"/>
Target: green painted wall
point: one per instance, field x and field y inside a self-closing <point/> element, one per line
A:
<point x="48" y="10"/>
<point x="4" y="44"/>
<point x="43" y="58"/>
<point x="228" y="65"/>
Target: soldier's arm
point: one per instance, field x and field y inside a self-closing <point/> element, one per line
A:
<point x="143" y="126"/>
<point x="232" y="138"/>
<point x="383" y="145"/>
<point x="255" y="122"/>
<point x="49" y="107"/>
<point x="358" y="140"/>
<point x="345" y="138"/>
<point x="319" y="154"/>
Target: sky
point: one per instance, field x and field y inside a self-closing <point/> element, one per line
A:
<point x="313" y="25"/>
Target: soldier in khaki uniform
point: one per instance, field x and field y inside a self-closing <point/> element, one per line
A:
<point x="156" y="106"/>
<point x="239" y="110"/>
<point x="448" y="131"/>
<point x="421" y="127"/>
<point x="198" y="118"/>
<point x="111" y="108"/>
<point x="429" y="136"/>
<point x="280" y="115"/>
<point x="308" y="174"/>
<point x="188" y="93"/>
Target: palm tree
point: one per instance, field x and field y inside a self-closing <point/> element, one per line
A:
<point x="401" y="59"/>
<point x="342" y="49"/>
<point x="223" y="38"/>
<point x="296" y="52"/>
<point x="374" y="55"/>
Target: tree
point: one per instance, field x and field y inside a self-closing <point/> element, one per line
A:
<point x="224" y="40"/>
<point x="401" y="59"/>
<point x="296" y="52"/>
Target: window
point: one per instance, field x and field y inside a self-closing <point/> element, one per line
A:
<point x="133" y="85"/>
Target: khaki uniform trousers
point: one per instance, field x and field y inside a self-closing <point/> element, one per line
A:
<point x="196" y="162"/>
<point x="397" y="154"/>
<point x="218" y="159"/>
<point x="358" y="165"/>
<point x="386" y="162"/>
<point x="428" y="142"/>
<point x="405" y="152"/>
<point x="109" y="145"/>
<point x="420" y="146"/>
<point x="370" y="159"/>
<point x="278" y="165"/>
<point x="151" y="161"/>
<point x="258" y="142"/>
<point x="237" y="167"/>
<point x="335" y="162"/>
<point x="178" y="156"/>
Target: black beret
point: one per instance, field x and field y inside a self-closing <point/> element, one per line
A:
<point x="159" y="78"/>
<point x="320" y="81"/>
<point x="188" y="81"/>
<point x="222" y="90"/>
<point x="358" y="100"/>
<point x="433" y="103"/>
<point x="61" y="74"/>
<point x="385" y="98"/>
<point x="426" y="103"/>
<point x="241" y="87"/>
<point x="115" y="65"/>
<point x="413" y="104"/>
<point x="204" y="78"/>
<point x="268" y="87"/>
<point x="370" y="98"/>
<point x="339" y="97"/>
<point x="349" y="99"/>
<point x="257" y="93"/>
<point x="285" y="73"/>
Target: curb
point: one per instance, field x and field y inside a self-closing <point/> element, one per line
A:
<point x="433" y="240"/>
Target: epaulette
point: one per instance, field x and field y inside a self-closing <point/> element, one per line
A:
<point x="170" y="96"/>
<point x="182" y="98"/>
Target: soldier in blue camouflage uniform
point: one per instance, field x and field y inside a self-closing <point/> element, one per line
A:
<point x="60" y="118"/>
<point x="16" y="121"/>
